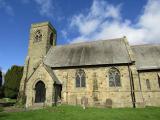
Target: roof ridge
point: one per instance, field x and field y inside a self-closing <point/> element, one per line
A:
<point x="158" y="44"/>
<point x="88" y="42"/>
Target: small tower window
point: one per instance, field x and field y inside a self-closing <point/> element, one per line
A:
<point x="38" y="36"/>
<point x="148" y="84"/>
<point x="51" y="39"/>
<point x="114" y="77"/>
<point x="80" y="78"/>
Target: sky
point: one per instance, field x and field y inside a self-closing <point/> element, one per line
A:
<point x="76" y="21"/>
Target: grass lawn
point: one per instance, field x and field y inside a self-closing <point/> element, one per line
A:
<point x="77" y="113"/>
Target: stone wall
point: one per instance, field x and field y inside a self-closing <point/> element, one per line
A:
<point x="151" y="96"/>
<point x="120" y="96"/>
<point x="39" y="75"/>
<point x="36" y="51"/>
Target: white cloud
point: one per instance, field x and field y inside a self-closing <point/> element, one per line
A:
<point x="102" y="9"/>
<point x="4" y="71"/>
<point x="99" y="11"/>
<point x="64" y="33"/>
<point x="150" y="21"/>
<point x="104" y="21"/>
<point x="46" y="7"/>
<point x="6" y="7"/>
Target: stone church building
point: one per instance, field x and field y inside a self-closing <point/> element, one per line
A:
<point x="106" y="73"/>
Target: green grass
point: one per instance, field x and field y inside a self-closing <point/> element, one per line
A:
<point x="77" y="113"/>
<point x="1" y="109"/>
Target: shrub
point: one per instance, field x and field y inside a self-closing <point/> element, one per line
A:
<point x="0" y="78"/>
<point x="12" y="81"/>
<point x="1" y="92"/>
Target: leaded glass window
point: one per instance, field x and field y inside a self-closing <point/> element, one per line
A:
<point x="80" y="78"/>
<point x="38" y="36"/>
<point x="148" y="84"/>
<point x="114" y="77"/>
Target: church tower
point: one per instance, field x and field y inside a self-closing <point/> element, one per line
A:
<point x="42" y="38"/>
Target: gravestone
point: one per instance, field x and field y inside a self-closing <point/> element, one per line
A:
<point x="84" y="102"/>
<point x="108" y="103"/>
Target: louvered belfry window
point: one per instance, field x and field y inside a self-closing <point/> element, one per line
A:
<point x="114" y="77"/>
<point x="38" y="36"/>
<point x="80" y="78"/>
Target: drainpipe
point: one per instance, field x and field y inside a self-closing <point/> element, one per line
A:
<point x="67" y="90"/>
<point x="132" y="87"/>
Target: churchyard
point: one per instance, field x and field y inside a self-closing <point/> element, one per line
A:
<point x="65" y="112"/>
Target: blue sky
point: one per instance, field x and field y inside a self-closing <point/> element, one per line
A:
<point x="76" y="21"/>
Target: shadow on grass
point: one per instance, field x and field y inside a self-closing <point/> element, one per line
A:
<point x="4" y="115"/>
<point x="7" y="104"/>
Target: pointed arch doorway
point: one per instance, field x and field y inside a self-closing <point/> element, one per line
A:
<point x="40" y="92"/>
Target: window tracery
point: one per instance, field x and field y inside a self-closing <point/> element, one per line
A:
<point x="80" y="78"/>
<point x="38" y="36"/>
<point x="114" y="77"/>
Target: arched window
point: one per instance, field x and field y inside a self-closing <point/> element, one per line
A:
<point x="80" y="78"/>
<point x="38" y="36"/>
<point x="51" y="39"/>
<point x="148" y="84"/>
<point x="114" y="77"/>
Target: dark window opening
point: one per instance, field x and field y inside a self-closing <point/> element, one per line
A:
<point x="51" y="39"/>
<point x="148" y="84"/>
<point x="159" y="80"/>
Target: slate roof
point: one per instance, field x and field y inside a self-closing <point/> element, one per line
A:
<point x="101" y="52"/>
<point x="147" y="56"/>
